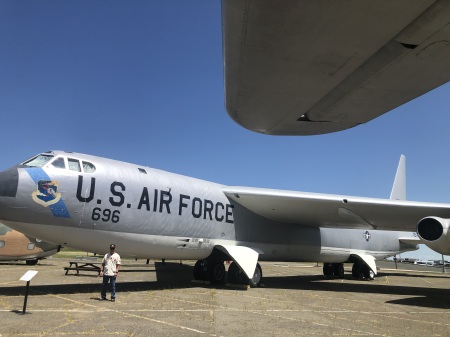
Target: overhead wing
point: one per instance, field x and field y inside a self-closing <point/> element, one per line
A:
<point x="326" y="210"/>
<point x="301" y="67"/>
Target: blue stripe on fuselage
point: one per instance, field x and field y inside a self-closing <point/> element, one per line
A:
<point x="59" y="209"/>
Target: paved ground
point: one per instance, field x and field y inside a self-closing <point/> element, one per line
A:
<point x="157" y="300"/>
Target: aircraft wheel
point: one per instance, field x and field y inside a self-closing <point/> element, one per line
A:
<point x="338" y="270"/>
<point x="216" y="272"/>
<point x="200" y="269"/>
<point x="368" y="273"/>
<point x="236" y="275"/>
<point x="357" y="271"/>
<point x="233" y="272"/>
<point x="32" y="262"/>
<point x="328" y="269"/>
<point x="255" y="281"/>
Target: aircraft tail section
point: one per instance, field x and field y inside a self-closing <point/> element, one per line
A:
<point x="399" y="188"/>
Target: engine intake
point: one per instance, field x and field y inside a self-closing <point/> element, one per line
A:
<point x="433" y="231"/>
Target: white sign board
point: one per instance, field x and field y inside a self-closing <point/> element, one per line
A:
<point x="28" y="275"/>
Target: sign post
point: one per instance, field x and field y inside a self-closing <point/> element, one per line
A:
<point x="27" y="277"/>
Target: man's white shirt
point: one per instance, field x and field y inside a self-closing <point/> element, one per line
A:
<point x="110" y="262"/>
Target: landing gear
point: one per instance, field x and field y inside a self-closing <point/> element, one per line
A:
<point x="362" y="271"/>
<point x="255" y="281"/>
<point x="237" y="276"/>
<point x="209" y="270"/>
<point x="31" y="262"/>
<point x="214" y="271"/>
<point x="368" y="273"/>
<point x="200" y="270"/>
<point x="338" y="270"/>
<point x="333" y="269"/>
<point x="217" y="272"/>
<point x="328" y="269"/>
<point x="357" y="270"/>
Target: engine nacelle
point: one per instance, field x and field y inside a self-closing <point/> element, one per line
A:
<point x="434" y="232"/>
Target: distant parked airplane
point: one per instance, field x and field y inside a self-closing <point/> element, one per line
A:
<point x="16" y="246"/>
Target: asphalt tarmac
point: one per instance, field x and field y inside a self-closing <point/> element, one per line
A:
<point x="161" y="300"/>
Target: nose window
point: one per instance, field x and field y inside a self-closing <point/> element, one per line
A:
<point x="39" y="160"/>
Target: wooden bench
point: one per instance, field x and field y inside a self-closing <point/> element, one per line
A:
<point x="83" y="266"/>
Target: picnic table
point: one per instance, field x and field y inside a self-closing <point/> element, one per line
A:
<point x="81" y="265"/>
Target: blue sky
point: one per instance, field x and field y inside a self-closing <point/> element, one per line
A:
<point x="142" y="82"/>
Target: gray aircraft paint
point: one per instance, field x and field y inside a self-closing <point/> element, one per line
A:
<point x="151" y="213"/>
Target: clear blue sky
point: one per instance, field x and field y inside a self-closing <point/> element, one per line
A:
<point x="142" y="81"/>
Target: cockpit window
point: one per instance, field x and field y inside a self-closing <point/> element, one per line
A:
<point x="74" y="165"/>
<point x="39" y="160"/>
<point x="88" y="167"/>
<point x="59" y="163"/>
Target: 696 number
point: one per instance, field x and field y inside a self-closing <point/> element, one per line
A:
<point x="105" y="215"/>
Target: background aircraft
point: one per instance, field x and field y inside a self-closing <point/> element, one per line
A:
<point x="313" y="67"/>
<point x="15" y="246"/>
<point x="87" y="202"/>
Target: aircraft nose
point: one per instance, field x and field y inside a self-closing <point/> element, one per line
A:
<point x="9" y="180"/>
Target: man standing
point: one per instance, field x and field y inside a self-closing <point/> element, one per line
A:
<point x="109" y="271"/>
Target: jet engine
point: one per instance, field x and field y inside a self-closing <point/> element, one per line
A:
<point x="434" y="232"/>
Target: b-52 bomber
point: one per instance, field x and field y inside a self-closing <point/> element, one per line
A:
<point x="87" y="202"/>
<point x="313" y="67"/>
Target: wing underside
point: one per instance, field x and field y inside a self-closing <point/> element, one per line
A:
<point x="325" y="210"/>
<point x="305" y="67"/>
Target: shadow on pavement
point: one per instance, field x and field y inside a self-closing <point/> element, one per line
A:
<point x="176" y="276"/>
<point x="168" y="276"/>
<point x="420" y="296"/>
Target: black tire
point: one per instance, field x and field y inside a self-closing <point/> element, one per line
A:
<point x="368" y="273"/>
<point x="32" y="262"/>
<point x="199" y="270"/>
<point x="233" y="273"/>
<point x="338" y="270"/>
<point x="357" y="271"/>
<point x="255" y="281"/>
<point x="327" y="269"/>
<point x="216" y="272"/>
<point x="236" y="275"/>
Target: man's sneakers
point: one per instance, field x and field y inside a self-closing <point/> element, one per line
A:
<point x="105" y="299"/>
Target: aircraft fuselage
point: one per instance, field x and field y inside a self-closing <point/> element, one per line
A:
<point x="151" y="213"/>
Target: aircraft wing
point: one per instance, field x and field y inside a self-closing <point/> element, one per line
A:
<point x="326" y="210"/>
<point x="300" y="67"/>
